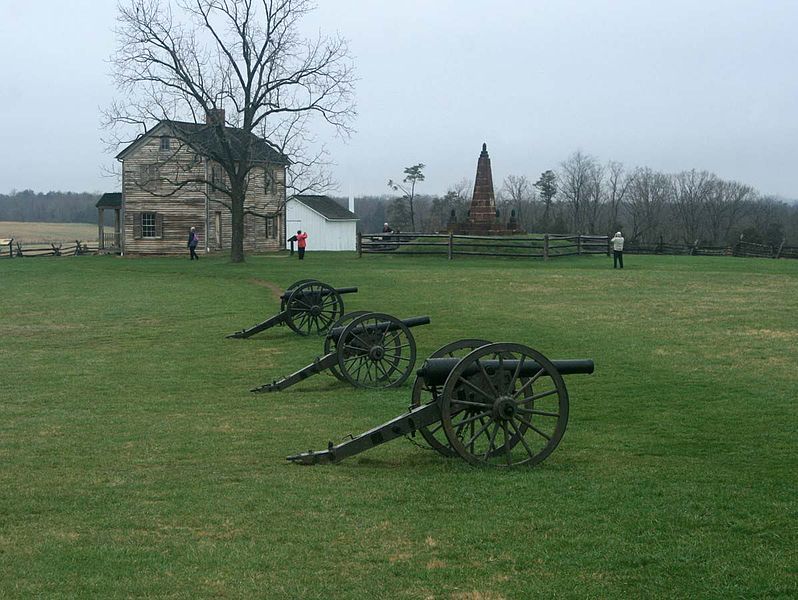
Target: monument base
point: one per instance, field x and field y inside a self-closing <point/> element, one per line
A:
<point x="482" y="229"/>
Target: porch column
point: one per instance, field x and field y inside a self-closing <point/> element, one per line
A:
<point x="101" y="228"/>
<point x="117" y="228"/>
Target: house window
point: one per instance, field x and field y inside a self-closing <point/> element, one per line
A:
<point x="165" y="142"/>
<point x="148" y="225"/>
<point x="267" y="180"/>
<point x="271" y="230"/>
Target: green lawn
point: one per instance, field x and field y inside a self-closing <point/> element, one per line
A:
<point x="135" y="462"/>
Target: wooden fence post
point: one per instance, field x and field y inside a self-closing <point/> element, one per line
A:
<point x="609" y="245"/>
<point x="359" y="245"/>
<point x="451" y="245"/>
<point x="778" y="252"/>
<point x="545" y="246"/>
<point x="578" y="243"/>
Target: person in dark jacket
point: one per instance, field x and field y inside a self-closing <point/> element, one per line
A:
<point x="193" y="240"/>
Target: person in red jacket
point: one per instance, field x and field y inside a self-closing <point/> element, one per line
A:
<point x="301" y="240"/>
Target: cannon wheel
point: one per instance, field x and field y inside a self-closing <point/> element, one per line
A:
<point x="512" y="419"/>
<point x="370" y="358"/>
<point x="330" y="343"/>
<point x="313" y="307"/>
<point x="434" y="435"/>
<point x="290" y="289"/>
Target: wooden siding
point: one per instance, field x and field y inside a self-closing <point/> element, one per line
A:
<point x="186" y="207"/>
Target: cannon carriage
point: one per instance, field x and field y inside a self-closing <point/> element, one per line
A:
<point x="364" y="349"/>
<point x="308" y="307"/>
<point x="492" y="404"/>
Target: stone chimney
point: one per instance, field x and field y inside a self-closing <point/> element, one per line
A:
<point x="215" y="116"/>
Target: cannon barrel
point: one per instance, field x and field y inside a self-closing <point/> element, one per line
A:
<point x="335" y="332"/>
<point x="434" y="371"/>
<point x="345" y="290"/>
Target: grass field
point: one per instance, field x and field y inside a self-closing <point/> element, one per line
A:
<point x="135" y="463"/>
<point x="30" y="233"/>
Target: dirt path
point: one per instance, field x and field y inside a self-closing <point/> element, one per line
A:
<point x="273" y="288"/>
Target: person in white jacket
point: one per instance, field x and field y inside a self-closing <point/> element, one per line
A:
<point x="617" y="250"/>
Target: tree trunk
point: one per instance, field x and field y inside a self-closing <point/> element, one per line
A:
<point x="237" y="233"/>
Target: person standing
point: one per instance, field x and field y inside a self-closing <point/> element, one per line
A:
<point x="301" y="242"/>
<point x="617" y="250"/>
<point x="193" y="240"/>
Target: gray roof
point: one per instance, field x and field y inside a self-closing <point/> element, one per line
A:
<point x="327" y="207"/>
<point x="208" y="141"/>
<point x="110" y="200"/>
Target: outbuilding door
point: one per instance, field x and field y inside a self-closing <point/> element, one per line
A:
<point x="291" y="227"/>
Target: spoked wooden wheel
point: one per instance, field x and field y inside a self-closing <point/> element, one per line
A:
<point x="376" y="351"/>
<point x="423" y="394"/>
<point x="330" y="343"/>
<point x="313" y="307"/>
<point x="518" y="412"/>
<point x="290" y="289"/>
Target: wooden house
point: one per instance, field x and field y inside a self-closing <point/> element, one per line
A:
<point x="170" y="183"/>
<point x="329" y="225"/>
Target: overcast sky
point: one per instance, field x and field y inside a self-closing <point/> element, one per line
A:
<point x="704" y="84"/>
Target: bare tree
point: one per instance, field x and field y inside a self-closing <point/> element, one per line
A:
<point x="576" y="178"/>
<point x="647" y="202"/>
<point x="726" y="203"/>
<point x="450" y="207"/>
<point x="596" y="195"/>
<point x="691" y="190"/>
<point x="618" y="182"/>
<point x="518" y="194"/>
<point x="185" y="59"/>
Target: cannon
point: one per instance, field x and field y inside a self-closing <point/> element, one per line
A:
<point x="492" y="404"/>
<point x="366" y="350"/>
<point x="307" y="306"/>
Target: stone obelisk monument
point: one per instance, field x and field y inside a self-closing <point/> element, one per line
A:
<point x="483" y="202"/>
<point x="482" y="218"/>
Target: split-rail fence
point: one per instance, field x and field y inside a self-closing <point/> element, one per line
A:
<point x="547" y="246"/>
<point x="12" y="249"/>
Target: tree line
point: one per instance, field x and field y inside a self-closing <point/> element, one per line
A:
<point x="49" y="207"/>
<point x="584" y="195"/>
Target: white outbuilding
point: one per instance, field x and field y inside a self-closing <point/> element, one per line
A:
<point x="329" y="225"/>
